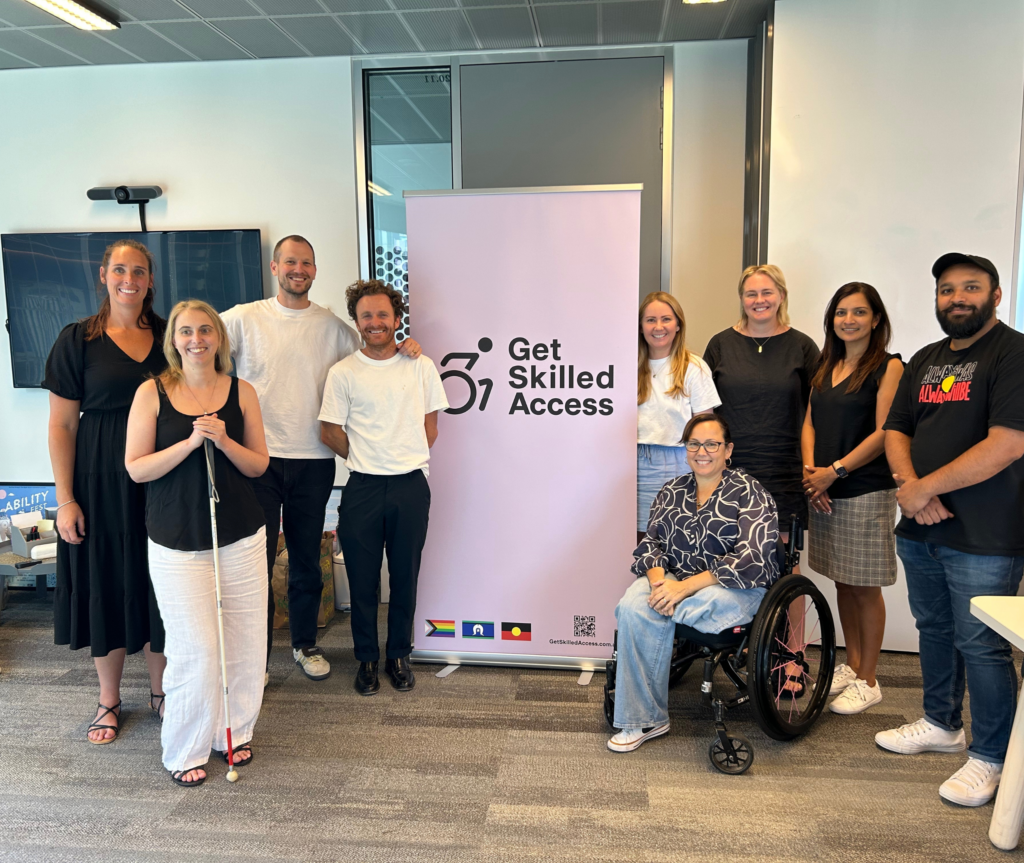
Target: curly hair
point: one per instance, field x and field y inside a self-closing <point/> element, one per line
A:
<point x="361" y="288"/>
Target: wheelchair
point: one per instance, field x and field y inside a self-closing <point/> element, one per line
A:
<point x="792" y="630"/>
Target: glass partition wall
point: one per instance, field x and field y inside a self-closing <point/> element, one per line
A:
<point x="408" y="124"/>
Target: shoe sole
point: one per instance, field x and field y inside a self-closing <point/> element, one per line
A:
<point x="367" y="694"/>
<point x="971" y="802"/>
<point x="856" y="710"/>
<point x="310" y="676"/>
<point x="912" y="750"/>
<point x="640" y="741"/>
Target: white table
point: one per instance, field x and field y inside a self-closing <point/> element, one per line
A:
<point x="1005" y="614"/>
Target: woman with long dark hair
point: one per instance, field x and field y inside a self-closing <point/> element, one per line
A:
<point x="849" y="484"/>
<point x="104" y="599"/>
<point x="673" y="385"/>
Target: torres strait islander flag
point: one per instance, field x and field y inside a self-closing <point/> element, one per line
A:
<point x="515" y="631"/>
<point x="440" y="628"/>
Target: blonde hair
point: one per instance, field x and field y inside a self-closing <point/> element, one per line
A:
<point x="174" y="375"/>
<point x="775" y="274"/>
<point x="680" y="356"/>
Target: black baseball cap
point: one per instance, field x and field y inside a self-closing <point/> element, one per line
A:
<point x="951" y="259"/>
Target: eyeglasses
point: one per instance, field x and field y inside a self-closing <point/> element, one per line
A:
<point x="710" y="446"/>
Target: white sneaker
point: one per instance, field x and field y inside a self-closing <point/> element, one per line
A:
<point x="856" y="698"/>
<point x="921" y="736"/>
<point x="312" y="662"/>
<point x="974" y="784"/>
<point x="634" y="738"/>
<point x="266" y="679"/>
<point x="842" y="677"/>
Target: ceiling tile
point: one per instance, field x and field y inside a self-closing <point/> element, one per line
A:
<point x="379" y="33"/>
<point x="89" y="46"/>
<point x="746" y="19"/>
<point x="624" y="23"/>
<point x="695" y="22"/>
<point x="574" y="24"/>
<point x="349" y="6"/>
<point x="210" y="9"/>
<point x="29" y="48"/>
<point x="260" y="36"/>
<point x="559" y="2"/>
<point x="469" y="4"/>
<point x="509" y="27"/>
<point x="200" y="39"/>
<point x="18" y="13"/>
<point x="320" y="35"/>
<point x="8" y="61"/>
<point x="140" y="40"/>
<point x="290" y="7"/>
<point x="150" y="10"/>
<point x="441" y="30"/>
<point x="402" y="5"/>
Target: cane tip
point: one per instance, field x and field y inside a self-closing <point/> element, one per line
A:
<point x="232" y="775"/>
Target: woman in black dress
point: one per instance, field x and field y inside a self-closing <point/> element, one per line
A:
<point x="104" y="599"/>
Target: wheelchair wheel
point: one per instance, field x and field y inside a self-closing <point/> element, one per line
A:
<point x="792" y="641"/>
<point x="736" y="762"/>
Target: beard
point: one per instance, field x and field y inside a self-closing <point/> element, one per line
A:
<point x="288" y="288"/>
<point x="970" y="325"/>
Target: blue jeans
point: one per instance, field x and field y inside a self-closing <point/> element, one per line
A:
<point x="644" y="650"/>
<point x="655" y="466"/>
<point x="941" y="583"/>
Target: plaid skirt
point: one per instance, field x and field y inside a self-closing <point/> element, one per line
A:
<point x="855" y="545"/>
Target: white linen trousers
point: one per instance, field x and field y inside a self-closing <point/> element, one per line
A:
<point x="185" y="592"/>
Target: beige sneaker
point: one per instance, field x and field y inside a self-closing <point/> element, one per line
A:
<point x="312" y="662"/>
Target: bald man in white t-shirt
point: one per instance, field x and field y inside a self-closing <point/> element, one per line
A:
<point x="284" y="346"/>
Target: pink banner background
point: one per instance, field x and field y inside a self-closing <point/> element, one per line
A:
<point x="532" y="516"/>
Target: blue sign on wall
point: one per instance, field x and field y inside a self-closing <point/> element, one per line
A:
<point x="26" y="498"/>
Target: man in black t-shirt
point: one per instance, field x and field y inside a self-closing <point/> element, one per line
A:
<point x="953" y="439"/>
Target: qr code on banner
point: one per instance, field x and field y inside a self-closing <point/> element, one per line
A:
<point x="584" y="627"/>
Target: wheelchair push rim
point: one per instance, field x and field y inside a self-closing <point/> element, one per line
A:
<point x="792" y="646"/>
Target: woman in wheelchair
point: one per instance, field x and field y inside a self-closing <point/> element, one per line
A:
<point x="707" y="560"/>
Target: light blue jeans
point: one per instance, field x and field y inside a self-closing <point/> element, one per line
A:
<point x="655" y="466"/>
<point x="645" y="638"/>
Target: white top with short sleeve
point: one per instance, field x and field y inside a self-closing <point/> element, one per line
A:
<point x="382" y="404"/>
<point x="661" y="420"/>
<point x="286" y="355"/>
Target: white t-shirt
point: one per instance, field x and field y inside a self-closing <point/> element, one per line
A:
<point x="661" y="420"/>
<point x="286" y="354"/>
<point x="382" y="404"/>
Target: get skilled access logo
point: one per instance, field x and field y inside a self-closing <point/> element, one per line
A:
<point x="547" y="372"/>
<point x="942" y="384"/>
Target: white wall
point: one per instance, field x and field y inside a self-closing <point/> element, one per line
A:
<point x="254" y="144"/>
<point x="896" y="132"/>
<point x="709" y="151"/>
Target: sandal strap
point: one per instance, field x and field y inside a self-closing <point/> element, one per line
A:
<point x="107" y="711"/>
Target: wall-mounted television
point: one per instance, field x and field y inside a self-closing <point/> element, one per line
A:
<point x="51" y="280"/>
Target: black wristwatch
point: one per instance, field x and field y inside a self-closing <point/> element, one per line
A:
<point x="841" y="471"/>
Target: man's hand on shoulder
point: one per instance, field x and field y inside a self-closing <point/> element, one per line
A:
<point x="410" y="348"/>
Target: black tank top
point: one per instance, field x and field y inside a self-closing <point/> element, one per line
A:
<point x="178" y="503"/>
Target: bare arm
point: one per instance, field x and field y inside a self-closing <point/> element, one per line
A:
<point x="334" y="436"/>
<point x="430" y="424"/>
<point x="141" y="459"/>
<point x="61" y="438"/>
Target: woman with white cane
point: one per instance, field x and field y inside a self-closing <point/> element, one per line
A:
<point x="211" y="589"/>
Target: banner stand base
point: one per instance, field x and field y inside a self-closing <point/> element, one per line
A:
<point x="509" y="660"/>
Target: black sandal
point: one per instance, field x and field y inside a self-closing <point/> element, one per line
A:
<point x="96" y="725"/>
<point x="245" y="747"/>
<point x="153" y="697"/>
<point x="184" y="783"/>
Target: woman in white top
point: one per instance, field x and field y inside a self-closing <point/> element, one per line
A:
<point x="672" y="386"/>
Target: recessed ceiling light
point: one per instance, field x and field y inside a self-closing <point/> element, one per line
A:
<point x="378" y="190"/>
<point x="695" y="2"/>
<point x="76" y="14"/>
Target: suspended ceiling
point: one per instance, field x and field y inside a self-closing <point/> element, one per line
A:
<point x="160" y="31"/>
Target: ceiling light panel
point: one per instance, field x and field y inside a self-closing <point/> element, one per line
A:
<point x="75" y="14"/>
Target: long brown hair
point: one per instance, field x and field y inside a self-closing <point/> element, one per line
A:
<point x="173" y="374"/>
<point x="96" y="325"/>
<point x="835" y="347"/>
<point x="680" y="356"/>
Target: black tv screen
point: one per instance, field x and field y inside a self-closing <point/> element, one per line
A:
<point x="51" y="280"/>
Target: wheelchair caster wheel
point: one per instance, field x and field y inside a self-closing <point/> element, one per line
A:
<point x="736" y="762"/>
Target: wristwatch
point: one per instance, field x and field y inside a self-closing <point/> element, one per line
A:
<point x="841" y="471"/>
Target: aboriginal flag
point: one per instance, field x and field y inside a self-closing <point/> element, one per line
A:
<point x="515" y="631"/>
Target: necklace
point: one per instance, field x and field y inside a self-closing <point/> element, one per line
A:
<point x="194" y="396"/>
<point x="760" y="345"/>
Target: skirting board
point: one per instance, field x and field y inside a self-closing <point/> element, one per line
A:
<point x="511" y="660"/>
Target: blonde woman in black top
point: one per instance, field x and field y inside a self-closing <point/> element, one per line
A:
<point x="171" y="419"/>
<point x="848" y="482"/>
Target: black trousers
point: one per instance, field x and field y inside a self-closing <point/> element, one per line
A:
<point x="302" y="488"/>
<point x="378" y="513"/>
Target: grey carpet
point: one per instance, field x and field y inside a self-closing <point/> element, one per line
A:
<point x="485" y="765"/>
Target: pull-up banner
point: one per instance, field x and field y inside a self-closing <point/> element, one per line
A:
<point x="526" y="299"/>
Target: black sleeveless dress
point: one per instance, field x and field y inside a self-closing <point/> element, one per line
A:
<point x="178" y="503"/>
<point x="104" y="599"/>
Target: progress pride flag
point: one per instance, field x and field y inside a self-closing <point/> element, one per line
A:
<point x="527" y="303"/>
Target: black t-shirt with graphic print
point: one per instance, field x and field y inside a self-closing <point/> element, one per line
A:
<point x="947" y="400"/>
